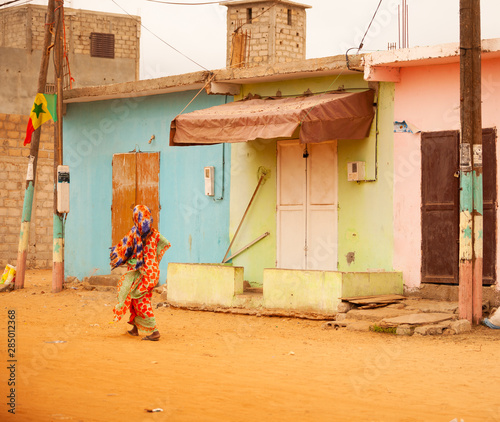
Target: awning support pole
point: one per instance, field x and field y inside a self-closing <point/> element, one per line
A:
<point x="244" y="248"/>
<point x="244" y="215"/>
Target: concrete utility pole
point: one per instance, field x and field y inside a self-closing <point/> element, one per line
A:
<point x="35" y="143"/>
<point x="471" y="165"/>
<point x="57" y="228"/>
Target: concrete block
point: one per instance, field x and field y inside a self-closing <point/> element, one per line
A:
<point x="431" y="330"/>
<point x="308" y="291"/>
<point x="404" y="330"/>
<point x="365" y="283"/>
<point x="344" y="307"/>
<point x="461" y="326"/>
<point x="203" y="284"/>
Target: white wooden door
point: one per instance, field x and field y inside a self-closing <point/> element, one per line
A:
<point x="307" y="206"/>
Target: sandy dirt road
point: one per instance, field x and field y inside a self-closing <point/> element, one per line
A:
<point x="222" y="367"/>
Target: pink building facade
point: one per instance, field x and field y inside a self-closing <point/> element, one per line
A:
<point x="427" y="107"/>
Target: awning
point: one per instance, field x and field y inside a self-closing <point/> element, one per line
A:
<point x="317" y="118"/>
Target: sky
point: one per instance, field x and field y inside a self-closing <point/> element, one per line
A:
<point x="333" y="26"/>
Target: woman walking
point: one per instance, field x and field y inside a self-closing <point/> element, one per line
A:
<point x="141" y="250"/>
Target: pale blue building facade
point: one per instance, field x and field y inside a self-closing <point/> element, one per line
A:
<point x="197" y="225"/>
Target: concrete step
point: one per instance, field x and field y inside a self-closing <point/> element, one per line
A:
<point x="250" y="299"/>
<point x="377" y="314"/>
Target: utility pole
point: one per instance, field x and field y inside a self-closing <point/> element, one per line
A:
<point x="471" y="165"/>
<point x="58" y="227"/>
<point x="33" y="158"/>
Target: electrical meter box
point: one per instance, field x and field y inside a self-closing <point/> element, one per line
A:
<point x="209" y="181"/>
<point x="62" y="189"/>
<point x="355" y="171"/>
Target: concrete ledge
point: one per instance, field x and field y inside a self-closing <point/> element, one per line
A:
<point x="103" y="280"/>
<point x="309" y="291"/>
<point x="372" y="283"/>
<point x="320" y="291"/>
<point x="203" y="284"/>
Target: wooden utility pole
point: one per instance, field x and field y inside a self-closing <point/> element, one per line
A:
<point x="471" y="165"/>
<point x="33" y="158"/>
<point x="58" y="226"/>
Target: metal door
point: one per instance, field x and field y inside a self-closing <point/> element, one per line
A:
<point x="307" y="206"/>
<point x="135" y="181"/>
<point x="440" y="207"/>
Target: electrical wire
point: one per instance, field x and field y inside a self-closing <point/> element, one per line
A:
<point x="163" y="41"/>
<point x="190" y="4"/>
<point x="369" y="26"/>
<point x="9" y="2"/>
<point x="362" y="39"/>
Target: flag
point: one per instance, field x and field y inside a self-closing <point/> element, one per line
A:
<point x="44" y="109"/>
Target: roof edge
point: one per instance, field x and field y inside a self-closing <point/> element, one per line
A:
<point x="285" y="2"/>
<point x="146" y="87"/>
<point x="437" y="54"/>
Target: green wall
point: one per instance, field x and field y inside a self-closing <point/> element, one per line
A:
<point x="365" y="209"/>
<point x="365" y="227"/>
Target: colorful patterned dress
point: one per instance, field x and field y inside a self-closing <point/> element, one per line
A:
<point x="142" y="250"/>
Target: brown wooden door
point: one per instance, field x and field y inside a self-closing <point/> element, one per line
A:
<point x="440" y="207"/>
<point x="489" y="206"/>
<point x="135" y="181"/>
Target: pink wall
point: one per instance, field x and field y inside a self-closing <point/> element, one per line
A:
<point x="428" y="97"/>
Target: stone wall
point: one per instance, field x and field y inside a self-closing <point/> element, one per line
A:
<point x="272" y="39"/>
<point x="23" y="27"/>
<point x="13" y="167"/>
<point x="13" y="28"/>
<point x="290" y="39"/>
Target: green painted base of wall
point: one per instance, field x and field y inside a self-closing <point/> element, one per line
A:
<point x="377" y="283"/>
<point x="308" y="291"/>
<point x="297" y="290"/>
<point x="320" y="291"/>
<point x="203" y="284"/>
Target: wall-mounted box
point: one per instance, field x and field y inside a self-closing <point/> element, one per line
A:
<point x="355" y="171"/>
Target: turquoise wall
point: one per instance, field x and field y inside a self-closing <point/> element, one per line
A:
<point x="196" y="225"/>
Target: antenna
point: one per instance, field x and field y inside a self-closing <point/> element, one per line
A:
<point x="403" y="33"/>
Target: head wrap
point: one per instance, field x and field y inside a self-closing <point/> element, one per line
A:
<point x="131" y="246"/>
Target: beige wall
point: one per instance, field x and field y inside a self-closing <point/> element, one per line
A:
<point x="272" y="40"/>
<point x="21" y="40"/>
<point x="13" y="165"/>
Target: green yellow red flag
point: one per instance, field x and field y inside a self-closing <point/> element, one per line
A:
<point x="44" y="109"/>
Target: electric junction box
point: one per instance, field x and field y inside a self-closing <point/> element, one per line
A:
<point x="355" y="171"/>
<point x="62" y="189"/>
<point x="209" y="180"/>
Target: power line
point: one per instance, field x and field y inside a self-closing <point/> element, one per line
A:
<point x="189" y="4"/>
<point x="367" y="29"/>
<point x="162" y="40"/>
<point x="9" y="2"/>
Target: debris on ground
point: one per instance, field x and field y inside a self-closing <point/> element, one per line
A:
<point x="400" y="315"/>
<point x="494" y="320"/>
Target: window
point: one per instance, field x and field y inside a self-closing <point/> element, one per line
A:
<point x="102" y="45"/>
<point x="249" y="15"/>
<point x="289" y="16"/>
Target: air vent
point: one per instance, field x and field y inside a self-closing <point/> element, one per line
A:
<point x="102" y="45"/>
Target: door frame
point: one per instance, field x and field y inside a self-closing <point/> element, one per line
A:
<point x="307" y="206"/>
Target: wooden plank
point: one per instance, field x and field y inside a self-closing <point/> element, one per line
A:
<point x="372" y="299"/>
<point x="123" y="181"/>
<point x="375" y="305"/>
<point x="148" y="180"/>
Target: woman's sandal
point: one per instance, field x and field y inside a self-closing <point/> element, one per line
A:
<point x="150" y="338"/>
